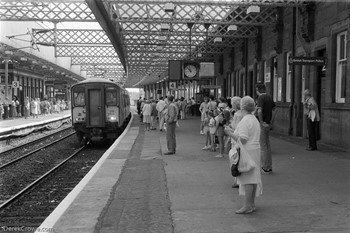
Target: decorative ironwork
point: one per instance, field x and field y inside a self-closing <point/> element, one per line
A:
<point x="138" y="23"/>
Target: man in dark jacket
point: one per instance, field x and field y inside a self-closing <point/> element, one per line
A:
<point x="265" y="105"/>
<point x="171" y="116"/>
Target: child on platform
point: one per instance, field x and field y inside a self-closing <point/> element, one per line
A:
<point x="212" y="129"/>
<point x="206" y="131"/>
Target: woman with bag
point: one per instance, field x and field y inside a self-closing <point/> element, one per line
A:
<point x="247" y="134"/>
<point x="230" y="129"/>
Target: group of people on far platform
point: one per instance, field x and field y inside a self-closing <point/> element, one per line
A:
<point x="240" y="122"/>
<point x="10" y="109"/>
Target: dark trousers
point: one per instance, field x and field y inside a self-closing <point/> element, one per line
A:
<point x="171" y="137"/>
<point x="6" y="112"/>
<point x="312" y="130"/>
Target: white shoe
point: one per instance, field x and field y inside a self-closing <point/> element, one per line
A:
<point x="206" y="148"/>
<point x="201" y="132"/>
<point x="219" y="156"/>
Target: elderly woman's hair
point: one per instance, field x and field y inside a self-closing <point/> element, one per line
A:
<point x="307" y="92"/>
<point x="236" y="102"/>
<point x="248" y="104"/>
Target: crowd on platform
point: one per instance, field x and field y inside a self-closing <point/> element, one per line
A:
<point x="10" y="109"/>
<point x="226" y="123"/>
<point x="229" y="125"/>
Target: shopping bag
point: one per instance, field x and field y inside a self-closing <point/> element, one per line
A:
<point x="246" y="163"/>
<point x="234" y="157"/>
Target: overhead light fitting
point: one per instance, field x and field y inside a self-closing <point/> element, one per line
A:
<point x="23" y="59"/>
<point x="162" y="38"/>
<point x="232" y="28"/>
<point x="169" y="7"/>
<point x="164" y="27"/>
<point x="34" y="62"/>
<point x="217" y="39"/>
<point x="7" y="52"/>
<point x="253" y="9"/>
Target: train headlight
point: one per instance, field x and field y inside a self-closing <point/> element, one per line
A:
<point x="112" y="118"/>
<point x="79" y="119"/>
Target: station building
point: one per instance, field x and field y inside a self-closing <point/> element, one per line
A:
<point x="317" y="32"/>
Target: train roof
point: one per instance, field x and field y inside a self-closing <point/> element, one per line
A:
<point x="97" y="80"/>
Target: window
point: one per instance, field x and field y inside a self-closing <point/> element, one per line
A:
<point x="288" y="78"/>
<point x="277" y="82"/>
<point x="79" y="96"/>
<point x="340" y="80"/>
<point x="111" y="96"/>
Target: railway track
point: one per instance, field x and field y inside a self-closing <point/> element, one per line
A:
<point x="13" y="161"/>
<point x="35" y="141"/>
<point x="31" y="205"/>
<point x="41" y="178"/>
<point x="19" y="172"/>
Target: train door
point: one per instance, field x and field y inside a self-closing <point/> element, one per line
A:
<point x="94" y="108"/>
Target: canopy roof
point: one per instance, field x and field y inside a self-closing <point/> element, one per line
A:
<point x="138" y="37"/>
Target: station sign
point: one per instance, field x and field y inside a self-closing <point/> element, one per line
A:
<point x="316" y="61"/>
<point x="172" y="85"/>
<point x="15" y="84"/>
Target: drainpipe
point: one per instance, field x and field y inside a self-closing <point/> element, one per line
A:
<point x="246" y="66"/>
<point x="291" y="106"/>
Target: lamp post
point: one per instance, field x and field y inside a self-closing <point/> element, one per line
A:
<point x="190" y="25"/>
<point x="6" y="60"/>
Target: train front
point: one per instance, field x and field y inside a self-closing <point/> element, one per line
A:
<point x="95" y="110"/>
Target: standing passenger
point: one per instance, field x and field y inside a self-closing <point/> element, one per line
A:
<point x="265" y="106"/>
<point x="220" y="122"/>
<point x="26" y="107"/>
<point x="171" y="119"/>
<point x="230" y="129"/>
<point x="146" y="112"/>
<point x="18" y="107"/>
<point x="212" y="129"/>
<point x="1" y="111"/>
<point x="33" y="108"/>
<point x="154" y="114"/>
<point x="313" y="117"/>
<point x="6" y="106"/>
<point x="203" y="109"/>
<point x="138" y="105"/>
<point x="14" y="107"/>
<point x="206" y="131"/>
<point x="161" y="105"/>
<point x="248" y="132"/>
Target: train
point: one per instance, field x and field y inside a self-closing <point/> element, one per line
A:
<point x="100" y="109"/>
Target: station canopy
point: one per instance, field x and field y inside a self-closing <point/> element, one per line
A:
<point x="136" y="38"/>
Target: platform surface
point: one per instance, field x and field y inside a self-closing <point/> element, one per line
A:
<point x="138" y="189"/>
<point x="20" y="122"/>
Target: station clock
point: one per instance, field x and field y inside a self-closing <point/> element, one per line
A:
<point x="190" y="70"/>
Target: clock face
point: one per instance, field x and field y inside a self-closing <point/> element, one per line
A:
<point x="190" y="71"/>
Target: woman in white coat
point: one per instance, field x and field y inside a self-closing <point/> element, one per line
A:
<point x="248" y="132"/>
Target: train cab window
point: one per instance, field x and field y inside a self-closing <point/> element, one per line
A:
<point x="111" y="96"/>
<point x="79" y="96"/>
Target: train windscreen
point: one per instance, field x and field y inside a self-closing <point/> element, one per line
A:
<point x="79" y="96"/>
<point x="111" y="96"/>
